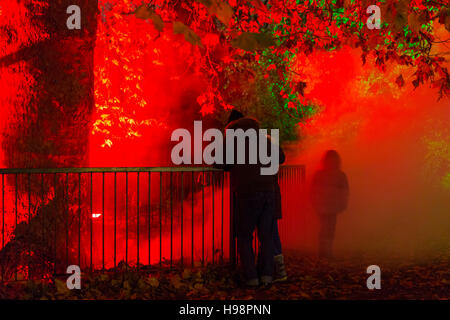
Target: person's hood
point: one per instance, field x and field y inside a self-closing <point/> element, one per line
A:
<point x="244" y="124"/>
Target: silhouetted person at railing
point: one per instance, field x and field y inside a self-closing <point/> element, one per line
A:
<point x="254" y="205"/>
<point x="329" y="193"/>
<point x="280" y="273"/>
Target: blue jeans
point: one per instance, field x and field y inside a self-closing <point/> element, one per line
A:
<point x="255" y="211"/>
<point x="276" y="239"/>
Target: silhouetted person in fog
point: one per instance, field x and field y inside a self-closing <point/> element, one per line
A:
<point x="329" y="194"/>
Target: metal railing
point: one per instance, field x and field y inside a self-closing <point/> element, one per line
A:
<point x="291" y="179"/>
<point x="103" y="218"/>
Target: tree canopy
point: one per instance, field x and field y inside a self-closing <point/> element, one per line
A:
<point x="245" y="48"/>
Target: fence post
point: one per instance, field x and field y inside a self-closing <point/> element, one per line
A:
<point x="232" y="231"/>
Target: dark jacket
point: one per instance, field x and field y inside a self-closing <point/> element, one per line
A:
<point x="247" y="178"/>
<point x="330" y="192"/>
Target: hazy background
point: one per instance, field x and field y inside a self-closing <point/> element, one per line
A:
<point x="395" y="147"/>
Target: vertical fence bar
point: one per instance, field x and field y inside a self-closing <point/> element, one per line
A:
<point x="115" y="219"/>
<point x="171" y="218"/>
<point x="149" y="215"/>
<point x="203" y="217"/>
<point x="44" y="235"/>
<point x="192" y="222"/>
<point x="55" y="228"/>
<point x="103" y="221"/>
<point x="67" y="219"/>
<point x="255" y="242"/>
<point x="181" y="216"/>
<point x="288" y="202"/>
<point x="126" y="220"/>
<point x="221" y="225"/>
<point x="29" y="198"/>
<point x="79" y="219"/>
<point x="137" y="217"/>
<point x="212" y="193"/>
<point x="286" y="195"/>
<point x="232" y="230"/>
<point x="282" y="228"/>
<point x="283" y="203"/>
<point x="29" y="219"/>
<point x="15" y="224"/>
<point x="160" y="219"/>
<point x="16" y="195"/>
<point x="3" y="217"/>
<point x="91" y="220"/>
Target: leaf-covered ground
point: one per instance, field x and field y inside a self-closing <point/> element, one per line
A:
<point x="308" y="279"/>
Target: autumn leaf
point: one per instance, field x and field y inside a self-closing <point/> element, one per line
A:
<point x="153" y="282"/>
<point x="251" y="41"/>
<point x="186" y="274"/>
<point x="258" y="4"/>
<point x="444" y="18"/>
<point x="348" y="4"/>
<point x="415" y="21"/>
<point x="198" y="286"/>
<point x="221" y="9"/>
<point x="395" y="13"/>
<point x="189" y="34"/>
<point x="400" y="81"/>
<point x="176" y="282"/>
<point x="157" y="22"/>
<point x="401" y="18"/>
<point x="61" y="287"/>
<point x="144" y="12"/>
<point x="301" y="87"/>
<point x="305" y="295"/>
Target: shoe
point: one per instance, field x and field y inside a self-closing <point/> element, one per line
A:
<point x="266" y="281"/>
<point x="280" y="274"/>
<point x="252" y="283"/>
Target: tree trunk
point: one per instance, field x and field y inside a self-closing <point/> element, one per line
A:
<point x="51" y="128"/>
<point x="46" y="116"/>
